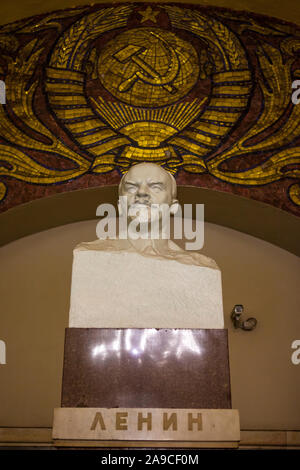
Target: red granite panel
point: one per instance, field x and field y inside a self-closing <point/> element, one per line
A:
<point x="155" y="368"/>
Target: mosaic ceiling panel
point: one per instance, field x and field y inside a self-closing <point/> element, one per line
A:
<point x="205" y="92"/>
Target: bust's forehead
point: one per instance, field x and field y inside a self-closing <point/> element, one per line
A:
<point x="146" y="171"/>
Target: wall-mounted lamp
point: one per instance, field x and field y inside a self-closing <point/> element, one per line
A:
<point x="247" y="325"/>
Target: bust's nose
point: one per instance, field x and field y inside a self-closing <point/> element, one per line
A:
<point x="142" y="198"/>
<point x="143" y="194"/>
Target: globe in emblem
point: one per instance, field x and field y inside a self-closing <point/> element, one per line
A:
<point x="148" y="67"/>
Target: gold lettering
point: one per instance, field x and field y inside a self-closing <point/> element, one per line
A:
<point x="98" y="419"/>
<point x="170" y="421"/>
<point x="192" y="421"/>
<point x="121" y="421"/>
<point x="142" y="420"/>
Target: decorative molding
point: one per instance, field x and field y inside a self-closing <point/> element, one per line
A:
<point x="250" y="439"/>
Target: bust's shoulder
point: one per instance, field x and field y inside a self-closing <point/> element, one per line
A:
<point x="108" y="244"/>
<point x="192" y="257"/>
<point x="205" y="261"/>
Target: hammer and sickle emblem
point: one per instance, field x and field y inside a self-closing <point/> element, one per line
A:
<point x="147" y="73"/>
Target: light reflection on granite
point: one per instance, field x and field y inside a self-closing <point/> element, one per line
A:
<point x="181" y="342"/>
<point x="172" y="368"/>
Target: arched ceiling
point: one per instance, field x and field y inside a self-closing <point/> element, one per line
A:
<point x="243" y="214"/>
<point x="252" y="204"/>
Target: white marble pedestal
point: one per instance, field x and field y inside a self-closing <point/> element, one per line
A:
<point x="128" y="290"/>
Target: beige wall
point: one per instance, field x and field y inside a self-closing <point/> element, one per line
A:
<point x="34" y="296"/>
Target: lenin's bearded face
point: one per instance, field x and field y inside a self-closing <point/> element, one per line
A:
<point x="144" y="185"/>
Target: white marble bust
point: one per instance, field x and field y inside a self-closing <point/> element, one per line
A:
<point x="143" y="185"/>
<point x="144" y="283"/>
